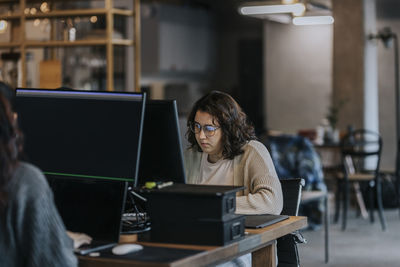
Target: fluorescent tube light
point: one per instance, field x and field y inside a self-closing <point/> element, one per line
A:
<point x="272" y="9"/>
<point x="313" y="20"/>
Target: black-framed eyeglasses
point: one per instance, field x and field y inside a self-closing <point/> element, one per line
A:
<point x="209" y="130"/>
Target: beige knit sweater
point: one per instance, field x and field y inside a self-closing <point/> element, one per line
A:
<point x="253" y="169"/>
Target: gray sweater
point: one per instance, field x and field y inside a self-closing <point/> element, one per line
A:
<point x="31" y="230"/>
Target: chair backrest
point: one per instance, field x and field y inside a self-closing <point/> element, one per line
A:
<point x="361" y="150"/>
<point x="291" y="190"/>
<point x="286" y="247"/>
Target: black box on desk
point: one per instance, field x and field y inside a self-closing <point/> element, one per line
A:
<point x="195" y="214"/>
<point x="199" y="232"/>
<point x="189" y="201"/>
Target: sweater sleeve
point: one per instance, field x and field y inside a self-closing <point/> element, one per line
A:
<point x="264" y="191"/>
<point x="43" y="235"/>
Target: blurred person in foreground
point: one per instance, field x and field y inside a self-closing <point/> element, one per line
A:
<point x="31" y="230"/>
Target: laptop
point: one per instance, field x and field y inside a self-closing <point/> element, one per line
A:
<point x="90" y="206"/>
<point x="263" y="220"/>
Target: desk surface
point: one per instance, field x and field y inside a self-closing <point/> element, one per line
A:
<point x="258" y="241"/>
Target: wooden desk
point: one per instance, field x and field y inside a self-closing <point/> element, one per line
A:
<point x="260" y="242"/>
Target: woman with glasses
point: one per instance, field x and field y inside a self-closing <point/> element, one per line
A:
<point x="224" y="151"/>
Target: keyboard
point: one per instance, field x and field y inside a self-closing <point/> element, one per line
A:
<point x="133" y="223"/>
<point x="93" y="247"/>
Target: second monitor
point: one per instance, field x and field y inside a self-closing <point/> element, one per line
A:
<point x="161" y="158"/>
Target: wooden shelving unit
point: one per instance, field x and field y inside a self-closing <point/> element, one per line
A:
<point x="109" y="42"/>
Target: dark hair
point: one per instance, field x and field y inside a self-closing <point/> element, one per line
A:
<point x="8" y="93"/>
<point x="236" y="130"/>
<point x="10" y="146"/>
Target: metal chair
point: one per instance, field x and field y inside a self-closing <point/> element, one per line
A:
<point x="361" y="154"/>
<point x="287" y="245"/>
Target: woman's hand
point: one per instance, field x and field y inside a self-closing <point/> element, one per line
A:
<point x="79" y="239"/>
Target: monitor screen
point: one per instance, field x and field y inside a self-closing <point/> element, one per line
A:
<point x="82" y="133"/>
<point x="161" y="158"/>
<point x="90" y="206"/>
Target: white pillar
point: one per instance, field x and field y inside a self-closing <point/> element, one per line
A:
<point x="371" y="108"/>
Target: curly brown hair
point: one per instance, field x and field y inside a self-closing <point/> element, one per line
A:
<point x="10" y="146"/>
<point x="236" y="130"/>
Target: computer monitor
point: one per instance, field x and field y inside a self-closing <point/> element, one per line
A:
<point x="90" y="206"/>
<point x="161" y="158"/>
<point x="82" y="134"/>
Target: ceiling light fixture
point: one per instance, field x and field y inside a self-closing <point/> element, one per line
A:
<point x="313" y="20"/>
<point x="290" y="10"/>
<point x="298" y="8"/>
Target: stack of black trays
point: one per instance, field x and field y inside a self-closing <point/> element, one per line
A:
<point x="195" y="214"/>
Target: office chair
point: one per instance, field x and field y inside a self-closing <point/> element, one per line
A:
<point x="361" y="153"/>
<point x="287" y="245"/>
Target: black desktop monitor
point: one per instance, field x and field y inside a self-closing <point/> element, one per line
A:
<point x="161" y="158"/>
<point x="82" y="134"/>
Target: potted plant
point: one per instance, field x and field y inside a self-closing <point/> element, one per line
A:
<point x="332" y="133"/>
